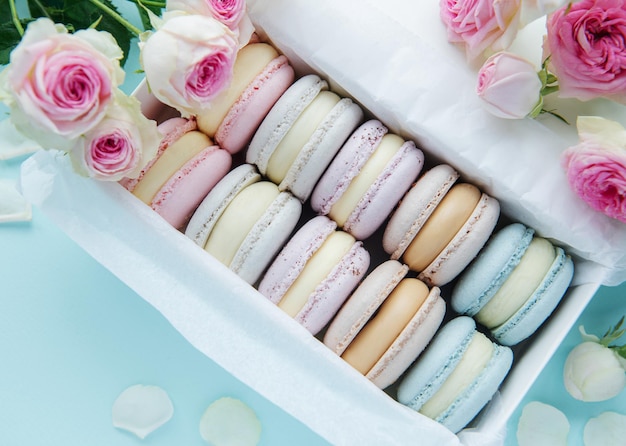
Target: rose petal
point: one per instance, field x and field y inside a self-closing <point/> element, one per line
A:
<point x="141" y="409"/>
<point x="13" y="143"/>
<point x="13" y="207"/>
<point x="229" y="421"/>
<point x="541" y="424"/>
<point x="607" y="429"/>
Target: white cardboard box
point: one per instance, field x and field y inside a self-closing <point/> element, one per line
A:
<point x="400" y="74"/>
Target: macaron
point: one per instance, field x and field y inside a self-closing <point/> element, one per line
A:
<point x="244" y="221"/>
<point x="186" y="167"/>
<point x="301" y="134"/>
<point x="514" y="284"/>
<point x="440" y="225"/>
<point x="456" y="376"/>
<point x="367" y="179"/>
<point x="315" y="273"/>
<point x="260" y="76"/>
<point x="386" y="323"/>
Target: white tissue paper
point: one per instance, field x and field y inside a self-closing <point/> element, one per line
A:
<point x="384" y="56"/>
<point x="393" y="57"/>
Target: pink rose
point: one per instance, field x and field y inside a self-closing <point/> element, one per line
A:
<point x="120" y="145"/>
<point x="596" y="167"/>
<point x="229" y="12"/>
<point x="188" y="61"/>
<point x="509" y="86"/>
<point x="59" y="85"/>
<point x="587" y="50"/>
<point x="481" y="24"/>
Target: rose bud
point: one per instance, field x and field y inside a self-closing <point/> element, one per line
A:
<point x="594" y="370"/>
<point x="509" y="86"/>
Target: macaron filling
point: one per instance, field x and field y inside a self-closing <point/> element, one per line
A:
<point x="520" y="285"/>
<point x="182" y="150"/>
<point x="468" y="369"/>
<point x="385" y="326"/>
<point x="441" y="227"/>
<point x="238" y="219"/>
<point x="317" y="268"/>
<point x="299" y="134"/>
<point x="389" y="145"/>
<point x="251" y="60"/>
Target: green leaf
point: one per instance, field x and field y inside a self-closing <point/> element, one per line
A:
<point x="5" y="11"/>
<point x="143" y="14"/>
<point x="52" y="9"/>
<point x="9" y="39"/>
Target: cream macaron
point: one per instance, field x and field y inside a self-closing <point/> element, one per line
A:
<point x="244" y="221"/>
<point x="301" y="134"/>
<point x="386" y="323"/>
<point x="440" y="225"/>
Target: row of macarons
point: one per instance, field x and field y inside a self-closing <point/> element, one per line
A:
<point x="303" y="141"/>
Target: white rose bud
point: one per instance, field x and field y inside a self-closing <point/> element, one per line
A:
<point x="594" y="370"/>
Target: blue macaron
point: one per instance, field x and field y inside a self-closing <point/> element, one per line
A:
<point x="456" y="376"/>
<point x="514" y="284"/>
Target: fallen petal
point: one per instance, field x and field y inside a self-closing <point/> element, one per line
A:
<point x="607" y="429"/>
<point x="230" y="422"/>
<point x="13" y="143"/>
<point x="141" y="409"/>
<point x="13" y="207"/>
<point x="541" y="424"/>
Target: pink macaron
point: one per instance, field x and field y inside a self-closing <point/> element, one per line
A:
<point x="367" y="179"/>
<point x="187" y="166"/>
<point x="315" y="272"/>
<point x="260" y="76"/>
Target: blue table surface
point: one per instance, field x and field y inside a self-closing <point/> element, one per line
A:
<point x="73" y="336"/>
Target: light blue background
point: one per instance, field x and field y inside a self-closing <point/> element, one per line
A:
<point x="72" y="337"/>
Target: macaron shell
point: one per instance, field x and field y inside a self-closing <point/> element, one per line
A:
<point x="347" y="165"/>
<point x="540" y="305"/>
<point x="267" y="237"/>
<point x="182" y="193"/>
<point x="333" y="291"/>
<point x="437" y="362"/>
<point x="465" y="245"/>
<point x="391" y="185"/>
<point x="293" y="257"/>
<point x="411" y="342"/>
<point x="416" y="207"/>
<point x="213" y="205"/>
<point x="247" y="113"/>
<point x="486" y="274"/>
<point x="281" y="117"/>
<point x="363" y="303"/>
<point x="319" y="151"/>
<point x="171" y="129"/>
<point x="465" y="408"/>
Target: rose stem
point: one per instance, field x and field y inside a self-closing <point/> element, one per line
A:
<point x="15" y="17"/>
<point x="125" y="23"/>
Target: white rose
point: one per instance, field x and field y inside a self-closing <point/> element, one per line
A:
<point x="188" y="61"/>
<point x="593" y="372"/>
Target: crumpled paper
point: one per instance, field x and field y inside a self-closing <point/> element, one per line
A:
<point x="393" y="57"/>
